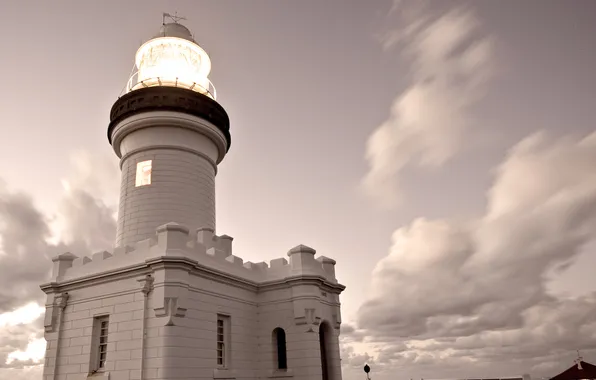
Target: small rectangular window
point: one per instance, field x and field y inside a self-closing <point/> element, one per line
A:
<point x="223" y="341"/>
<point x="143" y="173"/>
<point x="99" y="349"/>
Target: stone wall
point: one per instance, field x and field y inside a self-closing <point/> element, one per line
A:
<point x="70" y="337"/>
<point x="189" y="281"/>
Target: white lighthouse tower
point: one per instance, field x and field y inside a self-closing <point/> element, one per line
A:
<point x="170" y="134"/>
<point x="172" y="301"/>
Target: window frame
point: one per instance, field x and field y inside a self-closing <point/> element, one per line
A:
<point x="99" y="346"/>
<point x="223" y="351"/>
<point x="141" y="179"/>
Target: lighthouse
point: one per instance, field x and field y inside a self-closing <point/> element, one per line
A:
<point x="170" y="134"/>
<point x="172" y="300"/>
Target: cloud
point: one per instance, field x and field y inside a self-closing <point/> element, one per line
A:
<point x="24" y="253"/>
<point x="85" y="224"/>
<point x="451" y="63"/>
<point x="15" y="340"/>
<point x="457" y="292"/>
<point x="95" y="174"/>
<point x="94" y="184"/>
<point x="22" y="327"/>
<point x="34" y="352"/>
<point x="23" y="315"/>
<point x="352" y="360"/>
<point x="87" y="221"/>
<point x="25" y="373"/>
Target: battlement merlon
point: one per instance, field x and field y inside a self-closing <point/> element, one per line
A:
<point x="203" y="247"/>
<point x="61" y="263"/>
<point x="302" y="261"/>
<point x="328" y="266"/>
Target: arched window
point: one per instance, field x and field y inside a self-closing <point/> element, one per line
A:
<point x="279" y="347"/>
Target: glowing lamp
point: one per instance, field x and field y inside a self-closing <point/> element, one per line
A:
<point x="172" y="58"/>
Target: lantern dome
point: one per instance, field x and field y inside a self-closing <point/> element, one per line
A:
<point x="174" y="29"/>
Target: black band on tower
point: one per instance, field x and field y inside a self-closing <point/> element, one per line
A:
<point x="164" y="98"/>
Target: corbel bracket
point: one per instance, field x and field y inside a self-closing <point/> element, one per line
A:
<point x="170" y="310"/>
<point x="310" y="319"/>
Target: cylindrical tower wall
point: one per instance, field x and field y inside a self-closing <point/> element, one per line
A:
<point x="181" y="152"/>
<point x="182" y="190"/>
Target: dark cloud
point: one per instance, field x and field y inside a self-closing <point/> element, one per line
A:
<point x="25" y="254"/>
<point x="88" y="221"/>
<point x="86" y="225"/>
<point x="347" y="329"/>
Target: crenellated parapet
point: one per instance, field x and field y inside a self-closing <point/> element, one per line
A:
<point x="203" y="247"/>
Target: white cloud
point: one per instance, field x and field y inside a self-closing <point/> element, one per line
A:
<point x="22" y="315"/>
<point x="462" y="292"/>
<point x="469" y="298"/>
<point x="18" y="325"/>
<point x="451" y="64"/>
<point x="34" y="352"/>
<point x="15" y="340"/>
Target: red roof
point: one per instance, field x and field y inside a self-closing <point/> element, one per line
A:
<point x="588" y="371"/>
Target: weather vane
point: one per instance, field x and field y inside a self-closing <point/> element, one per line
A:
<point x="578" y="361"/>
<point x="174" y="18"/>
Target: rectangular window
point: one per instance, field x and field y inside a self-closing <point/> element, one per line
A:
<point x="143" y="173"/>
<point x="223" y="341"/>
<point x="103" y="343"/>
<point x="99" y="349"/>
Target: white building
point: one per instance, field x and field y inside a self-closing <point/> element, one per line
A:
<point x="172" y="301"/>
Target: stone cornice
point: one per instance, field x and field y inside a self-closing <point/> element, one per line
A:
<point x="302" y="280"/>
<point x="197" y="269"/>
<point x="98" y="278"/>
<point x="194" y="268"/>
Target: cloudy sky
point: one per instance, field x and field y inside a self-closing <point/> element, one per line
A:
<point x="442" y="151"/>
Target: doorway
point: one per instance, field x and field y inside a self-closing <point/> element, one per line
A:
<point x="324" y="336"/>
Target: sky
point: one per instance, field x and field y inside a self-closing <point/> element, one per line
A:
<point x="441" y="151"/>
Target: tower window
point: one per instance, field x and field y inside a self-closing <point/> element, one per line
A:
<point x="223" y="340"/>
<point x="143" y="173"/>
<point x="279" y="347"/>
<point x="99" y="350"/>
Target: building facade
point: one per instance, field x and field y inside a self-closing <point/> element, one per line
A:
<point x="172" y="301"/>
